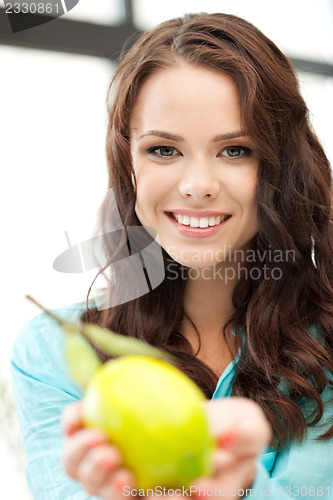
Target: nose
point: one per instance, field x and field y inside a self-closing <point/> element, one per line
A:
<point x="199" y="181"/>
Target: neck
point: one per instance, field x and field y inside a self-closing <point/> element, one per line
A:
<point x="208" y="298"/>
<point x="208" y="304"/>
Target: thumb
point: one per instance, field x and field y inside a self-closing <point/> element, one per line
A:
<point x="239" y="425"/>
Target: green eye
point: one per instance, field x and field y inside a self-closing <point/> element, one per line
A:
<point x="164" y="151"/>
<point x="233" y="151"/>
<point x="236" y="151"/>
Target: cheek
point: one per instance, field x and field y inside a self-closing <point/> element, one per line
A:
<point x="253" y="197"/>
<point x="244" y="190"/>
<point x="154" y="182"/>
<point x="252" y="210"/>
<point x="147" y="198"/>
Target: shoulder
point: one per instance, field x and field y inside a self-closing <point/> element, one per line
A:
<point x="42" y="329"/>
<point x="42" y="389"/>
<point x="38" y="349"/>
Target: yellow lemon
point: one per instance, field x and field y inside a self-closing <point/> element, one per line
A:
<point x="155" y="415"/>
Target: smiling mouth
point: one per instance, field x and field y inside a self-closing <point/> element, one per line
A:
<point x="199" y="222"/>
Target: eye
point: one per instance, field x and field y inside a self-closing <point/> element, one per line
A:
<point x="236" y="151"/>
<point x="163" y="151"/>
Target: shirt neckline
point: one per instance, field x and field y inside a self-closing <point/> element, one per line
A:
<point x="226" y="372"/>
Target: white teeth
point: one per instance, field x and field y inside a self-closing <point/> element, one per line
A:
<point x="194" y="221"/>
<point x="203" y="222"/>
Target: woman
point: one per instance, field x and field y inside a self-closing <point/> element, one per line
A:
<point x="210" y="145"/>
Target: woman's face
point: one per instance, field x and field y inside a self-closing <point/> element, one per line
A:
<point x="196" y="171"/>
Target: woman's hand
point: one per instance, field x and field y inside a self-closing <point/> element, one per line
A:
<point x="91" y="460"/>
<point x="238" y="424"/>
<point x="243" y="432"/>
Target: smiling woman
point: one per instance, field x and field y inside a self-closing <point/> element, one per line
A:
<point x="209" y="145"/>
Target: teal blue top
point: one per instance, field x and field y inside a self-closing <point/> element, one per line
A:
<point x="42" y="389"/>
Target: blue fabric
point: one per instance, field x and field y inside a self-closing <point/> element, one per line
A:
<point x="42" y="389"/>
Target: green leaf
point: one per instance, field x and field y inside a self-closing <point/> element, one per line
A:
<point x="119" y="345"/>
<point x="81" y="358"/>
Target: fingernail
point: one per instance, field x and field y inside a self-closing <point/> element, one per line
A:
<point x="228" y="440"/>
<point x="68" y="429"/>
<point x="95" y="442"/>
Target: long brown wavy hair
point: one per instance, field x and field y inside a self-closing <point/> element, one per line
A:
<point x="283" y="327"/>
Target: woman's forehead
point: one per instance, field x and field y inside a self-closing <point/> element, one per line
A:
<point x="189" y="96"/>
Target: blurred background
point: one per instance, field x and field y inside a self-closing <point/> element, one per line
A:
<point x="54" y="79"/>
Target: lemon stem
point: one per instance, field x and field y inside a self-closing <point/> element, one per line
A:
<point x="38" y="304"/>
<point x="107" y="341"/>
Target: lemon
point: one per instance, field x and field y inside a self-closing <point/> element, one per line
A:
<point x="148" y="408"/>
<point x="155" y="415"/>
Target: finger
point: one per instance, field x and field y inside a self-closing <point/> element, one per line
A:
<point x="170" y="497"/>
<point x="110" y="493"/>
<point x="120" y="483"/>
<point x="71" y="419"/>
<point x="239" y="425"/>
<point x="222" y="459"/>
<point x="94" y="469"/>
<point x="178" y="493"/>
<point x="229" y="481"/>
<point x="78" y="445"/>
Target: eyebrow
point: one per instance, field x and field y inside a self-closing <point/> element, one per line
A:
<point x="179" y="138"/>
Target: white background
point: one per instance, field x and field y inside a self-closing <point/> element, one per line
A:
<point x="52" y="129"/>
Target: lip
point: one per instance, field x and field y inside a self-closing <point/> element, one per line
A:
<point x="196" y="213"/>
<point x="197" y="232"/>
